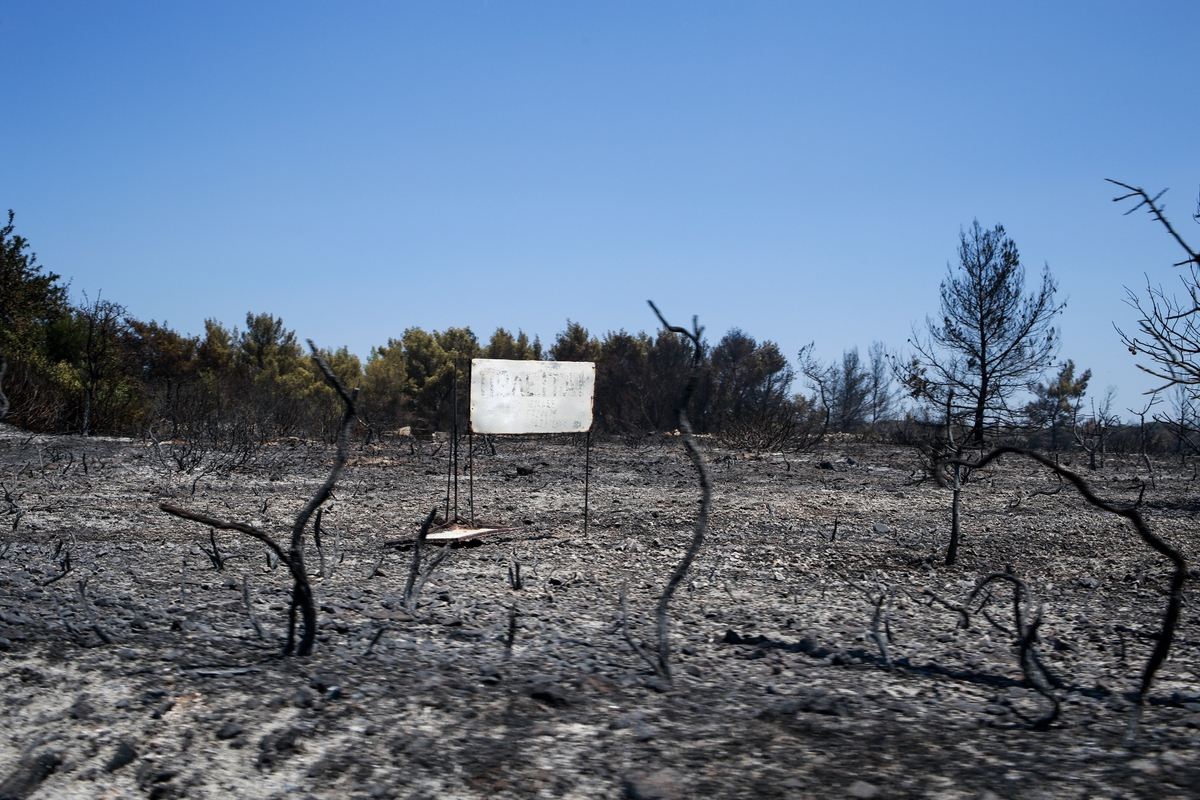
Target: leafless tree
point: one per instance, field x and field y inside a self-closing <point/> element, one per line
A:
<point x="846" y="391"/>
<point x="1144" y="434"/>
<point x="1094" y="432"/>
<point x="881" y="394"/>
<point x="293" y="557"/>
<point x="1169" y="330"/>
<point x="1182" y="421"/>
<point x="991" y="340"/>
<point x="956" y="486"/>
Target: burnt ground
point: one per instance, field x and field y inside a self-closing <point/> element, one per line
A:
<point x="779" y="689"/>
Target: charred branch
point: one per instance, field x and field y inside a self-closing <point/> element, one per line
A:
<point x="213" y="551"/>
<point x="250" y="607"/>
<point x="1026" y="620"/>
<point x="1169" y="329"/>
<point x="375" y="640"/>
<point x="12" y="507"/>
<point x="293" y="557"/>
<point x="1156" y="211"/>
<point x="415" y="568"/>
<point x="663" y="662"/>
<point x="91" y="617"/>
<point x="1134" y="516"/>
<point x="511" y="636"/>
<point x="61" y="556"/>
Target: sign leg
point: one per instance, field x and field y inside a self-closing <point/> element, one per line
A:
<point x="587" y="470"/>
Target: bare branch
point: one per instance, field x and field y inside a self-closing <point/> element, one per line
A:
<point x="697" y="458"/>
<point x="433" y="565"/>
<point x="250" y="606"/>
<point x="1156" y="211"/>
<point x="1131" y="513"/>
<point x="415" y="568"/>
<point x="623" y="600"/>
<point x="220" y="524"/>
<point x="87" y="611"/>
<point x="374" y="639"/>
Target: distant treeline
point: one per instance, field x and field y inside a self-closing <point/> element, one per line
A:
<point x="94" y="368"/>
<point x="91" y="367"/>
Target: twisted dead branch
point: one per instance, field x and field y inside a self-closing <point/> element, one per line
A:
<point x="1169" y="329"/>
<point x="416" y="575"/>
<point x="250" y="606"/>
<point x="1155" y="211"/>
<point x="662" y="663"/>
<point x="1131" y="513"/>
<point x="1026" y="621"/>
<point x="293" y="558"/>
<point x="87" y="612"/>
<point x="64" y="563"/>
<point x="213" y="551"/>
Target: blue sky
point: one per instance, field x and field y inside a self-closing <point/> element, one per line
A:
<point x="798" y="170"/>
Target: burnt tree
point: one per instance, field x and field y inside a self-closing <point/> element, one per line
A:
<point x="293" y="557"/>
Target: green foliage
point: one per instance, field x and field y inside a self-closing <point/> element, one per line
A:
<point x="503" y="345"/>
<point x="29" y="298"/>
<point x="749" y="380"/>
<point x="385" y="398"/>
<point x="575" y="344"/>
<point x="623" y="382"/>
<point x="95" y="368"/>
<point x="32" y="303"/>
<point x="432" y="361"/>
<point x="1057" y="402"/>
<point x="267" y="347"/>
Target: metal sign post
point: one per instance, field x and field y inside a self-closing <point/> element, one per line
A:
<point x="522" y="397"/>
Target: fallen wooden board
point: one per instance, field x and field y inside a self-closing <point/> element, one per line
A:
<point x="453" y="535"/>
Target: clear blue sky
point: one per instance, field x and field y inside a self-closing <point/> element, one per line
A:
<point x="799" y="170"/>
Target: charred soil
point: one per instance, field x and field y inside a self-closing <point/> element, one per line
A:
<point x="780" y="687"/>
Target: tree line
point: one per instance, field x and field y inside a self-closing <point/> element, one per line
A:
<point x="977" y="366"/>
<point x="91" y="367"/>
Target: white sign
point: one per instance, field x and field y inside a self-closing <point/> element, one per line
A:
<point x="531" y="396"/>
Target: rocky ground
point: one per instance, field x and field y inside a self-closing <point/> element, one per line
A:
<point x="779" y="688"/>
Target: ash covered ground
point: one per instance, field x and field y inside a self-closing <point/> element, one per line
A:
<point x="779" y="688"/>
